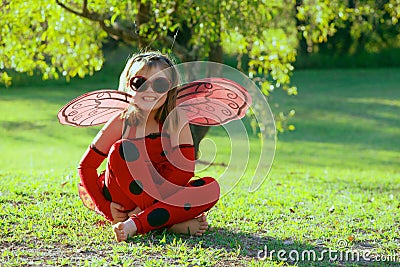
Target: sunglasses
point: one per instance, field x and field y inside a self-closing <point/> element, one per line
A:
<point x="159" y="84"/>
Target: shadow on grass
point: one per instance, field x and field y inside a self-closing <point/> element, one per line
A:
<point x="367" y="125"/>
<point x="355" y="107"/>
<point x="251" y="247"/>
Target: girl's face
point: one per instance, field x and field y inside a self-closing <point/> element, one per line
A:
<point x="150" y="100"/>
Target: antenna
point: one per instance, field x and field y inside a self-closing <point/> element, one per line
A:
<point x="173" y="42"/>
<point x="136" y="28"/>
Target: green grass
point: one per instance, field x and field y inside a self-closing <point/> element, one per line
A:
<point x="336" y="177"/>
<point x="386" y="58"/>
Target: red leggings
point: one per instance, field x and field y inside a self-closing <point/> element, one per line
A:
<point x="131" y="181"/>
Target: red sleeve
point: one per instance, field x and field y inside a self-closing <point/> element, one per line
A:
<point x="87" y="170"/>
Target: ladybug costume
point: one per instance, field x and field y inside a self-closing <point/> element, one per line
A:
<point x="150" y="174"/>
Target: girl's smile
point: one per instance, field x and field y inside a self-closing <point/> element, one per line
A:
<point x="149" y="98"/>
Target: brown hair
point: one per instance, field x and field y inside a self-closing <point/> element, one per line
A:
<point x="132" y="114"/>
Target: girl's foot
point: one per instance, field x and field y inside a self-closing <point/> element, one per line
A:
<point x="132" y="212"/>
<point x="123" y="230"/>
<point x="196" y="226"/>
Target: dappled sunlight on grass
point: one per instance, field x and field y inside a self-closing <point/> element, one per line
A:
<point x="383" y="102"/>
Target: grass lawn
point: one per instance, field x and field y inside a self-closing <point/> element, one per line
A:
<point x="334" y="185"/>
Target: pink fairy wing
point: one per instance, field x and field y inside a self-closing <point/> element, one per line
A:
<point x="213" y="101"/>
<point x="93" y="108"/>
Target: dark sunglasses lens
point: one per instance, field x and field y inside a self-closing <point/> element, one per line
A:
<point x="161" y="85"/>
<point x="136" y="83"/>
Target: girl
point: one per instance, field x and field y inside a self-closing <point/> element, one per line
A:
<point x="150" y="158"/>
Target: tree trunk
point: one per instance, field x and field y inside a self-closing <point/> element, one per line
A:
<point x="199" y="132"/>
<point x="142" y="17"/>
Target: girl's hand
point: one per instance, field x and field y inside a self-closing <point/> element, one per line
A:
<point x="118" y="212"/>
<point x="135" y="211"/>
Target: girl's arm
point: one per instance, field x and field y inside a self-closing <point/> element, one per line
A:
<point x="92" y="159"/>
<point x="109" y="134"/>
<point x="180" y="134"/>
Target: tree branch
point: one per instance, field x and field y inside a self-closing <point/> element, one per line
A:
<point x="119" y="32"/>
<point x="68" y="9"/>
<point x="93" y="16"/>
<point x="84" y="7"/>
<point x="116" y="30"/>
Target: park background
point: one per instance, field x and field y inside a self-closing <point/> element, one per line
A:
<point x="334" y="183"/>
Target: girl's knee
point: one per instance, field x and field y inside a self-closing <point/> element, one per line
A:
<point x="209" y="184"/>
<point x="209" y="181"/>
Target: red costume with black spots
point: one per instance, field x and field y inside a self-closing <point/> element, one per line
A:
<point x="150" y="174"/>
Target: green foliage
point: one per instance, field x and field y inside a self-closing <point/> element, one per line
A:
<point x="360" y="25"/>
<point x="43" y="38"/>
<point x="318" y="16"/>
<point x="64" y="38"/>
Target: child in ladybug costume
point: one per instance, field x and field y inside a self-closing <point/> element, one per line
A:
<point x="148" y="181"/>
